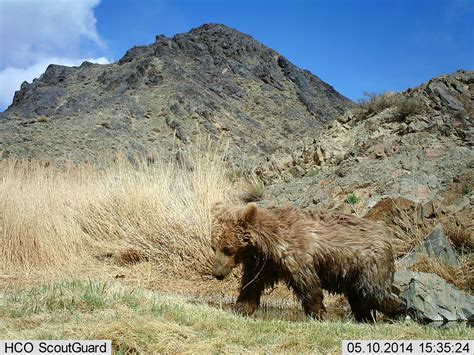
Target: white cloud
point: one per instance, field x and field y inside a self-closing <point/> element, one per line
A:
<point x="36" y="33"/>
<point x="11" y="77"/>
<point x="32" y="30"/>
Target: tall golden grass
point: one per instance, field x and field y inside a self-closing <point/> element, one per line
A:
<point x="54" y="216"/>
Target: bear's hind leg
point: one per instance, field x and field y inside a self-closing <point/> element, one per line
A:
<point x="391" y="305"/>
<point x="361" y="309"/>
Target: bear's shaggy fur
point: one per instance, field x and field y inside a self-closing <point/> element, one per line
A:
<point x="310" y="251"/>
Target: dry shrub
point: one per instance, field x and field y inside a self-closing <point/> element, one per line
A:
<point x="253" y="189"/>
<point x="403" y="105"/>
<point x="375" y="103"/>
<point x="409" y="230"/>
<point x="409" y="106"/>
<point x="459" y="230"/>
<point x="42" y="119"/>
<point x="55" y="217"/>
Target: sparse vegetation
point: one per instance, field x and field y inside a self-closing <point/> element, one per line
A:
<point x="409" y="106"/>
<point x="459" y="230"/>
<point x="466" y="190"/>
<point x="375" y="103"/>
<point x="409" y="229"/>
<point x="458" y="277"/>
<point x="42" y="119"/>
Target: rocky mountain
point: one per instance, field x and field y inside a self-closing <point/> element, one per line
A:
<point x="213" y="81"/>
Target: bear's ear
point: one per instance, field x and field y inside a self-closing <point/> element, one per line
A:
<point x="249" y="213"/>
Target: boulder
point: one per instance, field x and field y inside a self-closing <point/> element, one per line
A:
<point x="431" y="299"/>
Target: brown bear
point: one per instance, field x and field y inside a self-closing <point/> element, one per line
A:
<point x="309" y="251"/>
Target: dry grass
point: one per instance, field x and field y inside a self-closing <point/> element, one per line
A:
<point x="375" y="103"/>
<point x="57" y="217"/>
<point x="409" y="230"/>
<point x="459" y="230"/>
<point x="147" y="226"/>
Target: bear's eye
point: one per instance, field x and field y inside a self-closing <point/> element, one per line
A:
<point x="226" y="251"/>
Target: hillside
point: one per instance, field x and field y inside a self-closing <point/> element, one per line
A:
<point x="416" y="144"/>
<point x="212" y="81"/>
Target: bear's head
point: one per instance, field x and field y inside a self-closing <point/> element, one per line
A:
<point x="231" y="237"/>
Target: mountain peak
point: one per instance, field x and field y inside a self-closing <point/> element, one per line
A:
<point x="214" y="27"/>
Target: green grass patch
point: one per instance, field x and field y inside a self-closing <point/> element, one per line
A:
<point x="352" y="199"/>
<point x="138" y="320"/>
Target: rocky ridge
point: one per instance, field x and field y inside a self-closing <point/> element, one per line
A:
<point x="413" y="145"/>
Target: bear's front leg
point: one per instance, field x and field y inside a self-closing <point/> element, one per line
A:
<point x="246" y="308"/>
<point x="248" y="300"/>
<point x="252" y="285"/>
<point x="249" y="297"/>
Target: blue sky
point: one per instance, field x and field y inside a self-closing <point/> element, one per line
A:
<point x="356" y="46"/>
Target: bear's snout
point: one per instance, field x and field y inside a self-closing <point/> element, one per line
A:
<point x="223" y="265"/>
<point x="220" y="272"/>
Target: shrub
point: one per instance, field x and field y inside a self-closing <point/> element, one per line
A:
<point x="409" y="106"/>
<point x="42" y="119"/>
<point x="458" y="276"/>
<point x="253" y="189"/>
<point x="375" y="103"/>
<point x="403" y="106"/>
